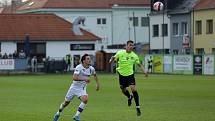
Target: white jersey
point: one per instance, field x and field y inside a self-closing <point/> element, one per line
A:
<point x="84" y="73"/>
<point x="78" y="88"/>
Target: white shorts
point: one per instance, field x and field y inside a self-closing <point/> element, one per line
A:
<point x="72" y="92"/>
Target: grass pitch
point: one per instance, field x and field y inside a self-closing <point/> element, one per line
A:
<point x="162" y="98"/>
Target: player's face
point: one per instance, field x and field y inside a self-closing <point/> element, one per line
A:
<point x="129" y="47"/>
<point x="87" y="60"/>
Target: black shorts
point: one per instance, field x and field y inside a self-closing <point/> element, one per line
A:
<point x="126" y="81"/>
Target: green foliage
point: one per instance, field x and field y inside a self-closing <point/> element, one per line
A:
<point x="162" y="98"/>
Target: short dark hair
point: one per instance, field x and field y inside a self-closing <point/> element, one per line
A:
<point x="130" y="41"/>
<point x="84" y="57"/>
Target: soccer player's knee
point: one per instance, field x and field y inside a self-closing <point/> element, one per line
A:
<point x="66" y="103"/>
<point x="85" y="99"/>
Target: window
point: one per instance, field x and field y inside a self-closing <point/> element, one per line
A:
<point x="209" y="27"/>
<point x="200" y="50"/>
<point x="82" y="47"/>
<point x="184" y="28"/>
<point x="101" y="21"/>
<point x="164" y="30"/>
<point x="175" y="28"/>
<point x="135" y="20"/>
<point x="198" y="27"/>
<point x="213" y="50"/>
<point x="144" y="21"/>
<point x="155" y="30"/>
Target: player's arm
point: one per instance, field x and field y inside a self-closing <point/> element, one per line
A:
<point x="112" y="59"/>
<point x="142" y="69"/>
<point x="77" y="77"/>
<point x="97" y="82"/>
<point x="141" y="66"/>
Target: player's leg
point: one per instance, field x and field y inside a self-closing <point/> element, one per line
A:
<point x="136" y="99"/>
<point x="68" y="98"/>
<point x="62" y="106"/>
<point x="81" y="107"/>
<point x="123" y="86"/>
<point x="132" y="84"/>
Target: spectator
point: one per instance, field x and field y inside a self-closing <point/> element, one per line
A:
<point x="15" y="54"/>
<point x="5" y="56"/>
<point x="22" y="54"/>
<point x="34" y="64"/>
<point x="68" y="62"/>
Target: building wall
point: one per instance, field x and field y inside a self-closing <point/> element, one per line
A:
<point x="177" y="40"/>
<point x="204" y="40"/>
<point x="116" y="30"/>
<point x="157" y="42"/>
<point x="123" y="28"/>
<point x="61" y="49"/>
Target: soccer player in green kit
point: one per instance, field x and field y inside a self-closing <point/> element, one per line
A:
<point x="126" y="59"/>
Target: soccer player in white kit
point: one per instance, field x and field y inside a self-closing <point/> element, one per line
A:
<point x="81" y="76"/>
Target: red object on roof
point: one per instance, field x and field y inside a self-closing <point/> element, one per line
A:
<point x="205" y="4"/>
<point x="45" y="27"/>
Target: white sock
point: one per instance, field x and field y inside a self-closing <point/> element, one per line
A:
<point x="80" y="108"/>
<point x="61" y="108"/>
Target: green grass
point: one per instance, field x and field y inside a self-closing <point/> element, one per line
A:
<point x="162" y="98"/>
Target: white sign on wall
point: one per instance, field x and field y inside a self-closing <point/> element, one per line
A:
<point x="209" y="64"/>
<point x="7" y="64"/>
<point x="182" y="63"/>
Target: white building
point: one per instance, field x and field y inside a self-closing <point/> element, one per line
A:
<point x="111" y="20"/>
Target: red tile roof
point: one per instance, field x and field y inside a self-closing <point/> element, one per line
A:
<point x="39" y="27"/>
<point x="205" y="4"/>
<point x="94" y="4"/>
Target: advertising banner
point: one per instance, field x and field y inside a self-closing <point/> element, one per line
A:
<point x="167" y="63"/>
<point x="158" y="63"/>
<point x="208" y="65"/>
<point x="197" y="64"/>
<point x="183" y="64"/>
<point x="7" y="64"/>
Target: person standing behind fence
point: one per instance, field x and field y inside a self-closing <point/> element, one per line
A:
<point x="68" y="62"/>
<point x="34" y="64"/>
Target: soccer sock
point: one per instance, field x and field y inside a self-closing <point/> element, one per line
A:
<point x="136" y="98"/>
<point x="61" y="107"/>
<point x="126" y="93"/>
<point x="80" y="108"/>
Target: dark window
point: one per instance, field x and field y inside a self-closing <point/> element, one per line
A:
<point x="155" y="30"/>
<point x="144" y="21"/>
<point x="99" y="21"/>
<point x="200" y="50"/>
<point x="103" y="21"/>
<point x="198" y="27"/>
<point x="175" y="28"/>
<point x="135" y="21"/>
<point x="164" y="30"/>
<point x="184" y="28"/>
<point x="82" y="47"/>
<point x="209" y="27"/>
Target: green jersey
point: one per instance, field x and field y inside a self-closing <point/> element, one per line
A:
<point x="125" y="62"/>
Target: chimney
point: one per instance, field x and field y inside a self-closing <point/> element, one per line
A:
<point x="76" y="29"/>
